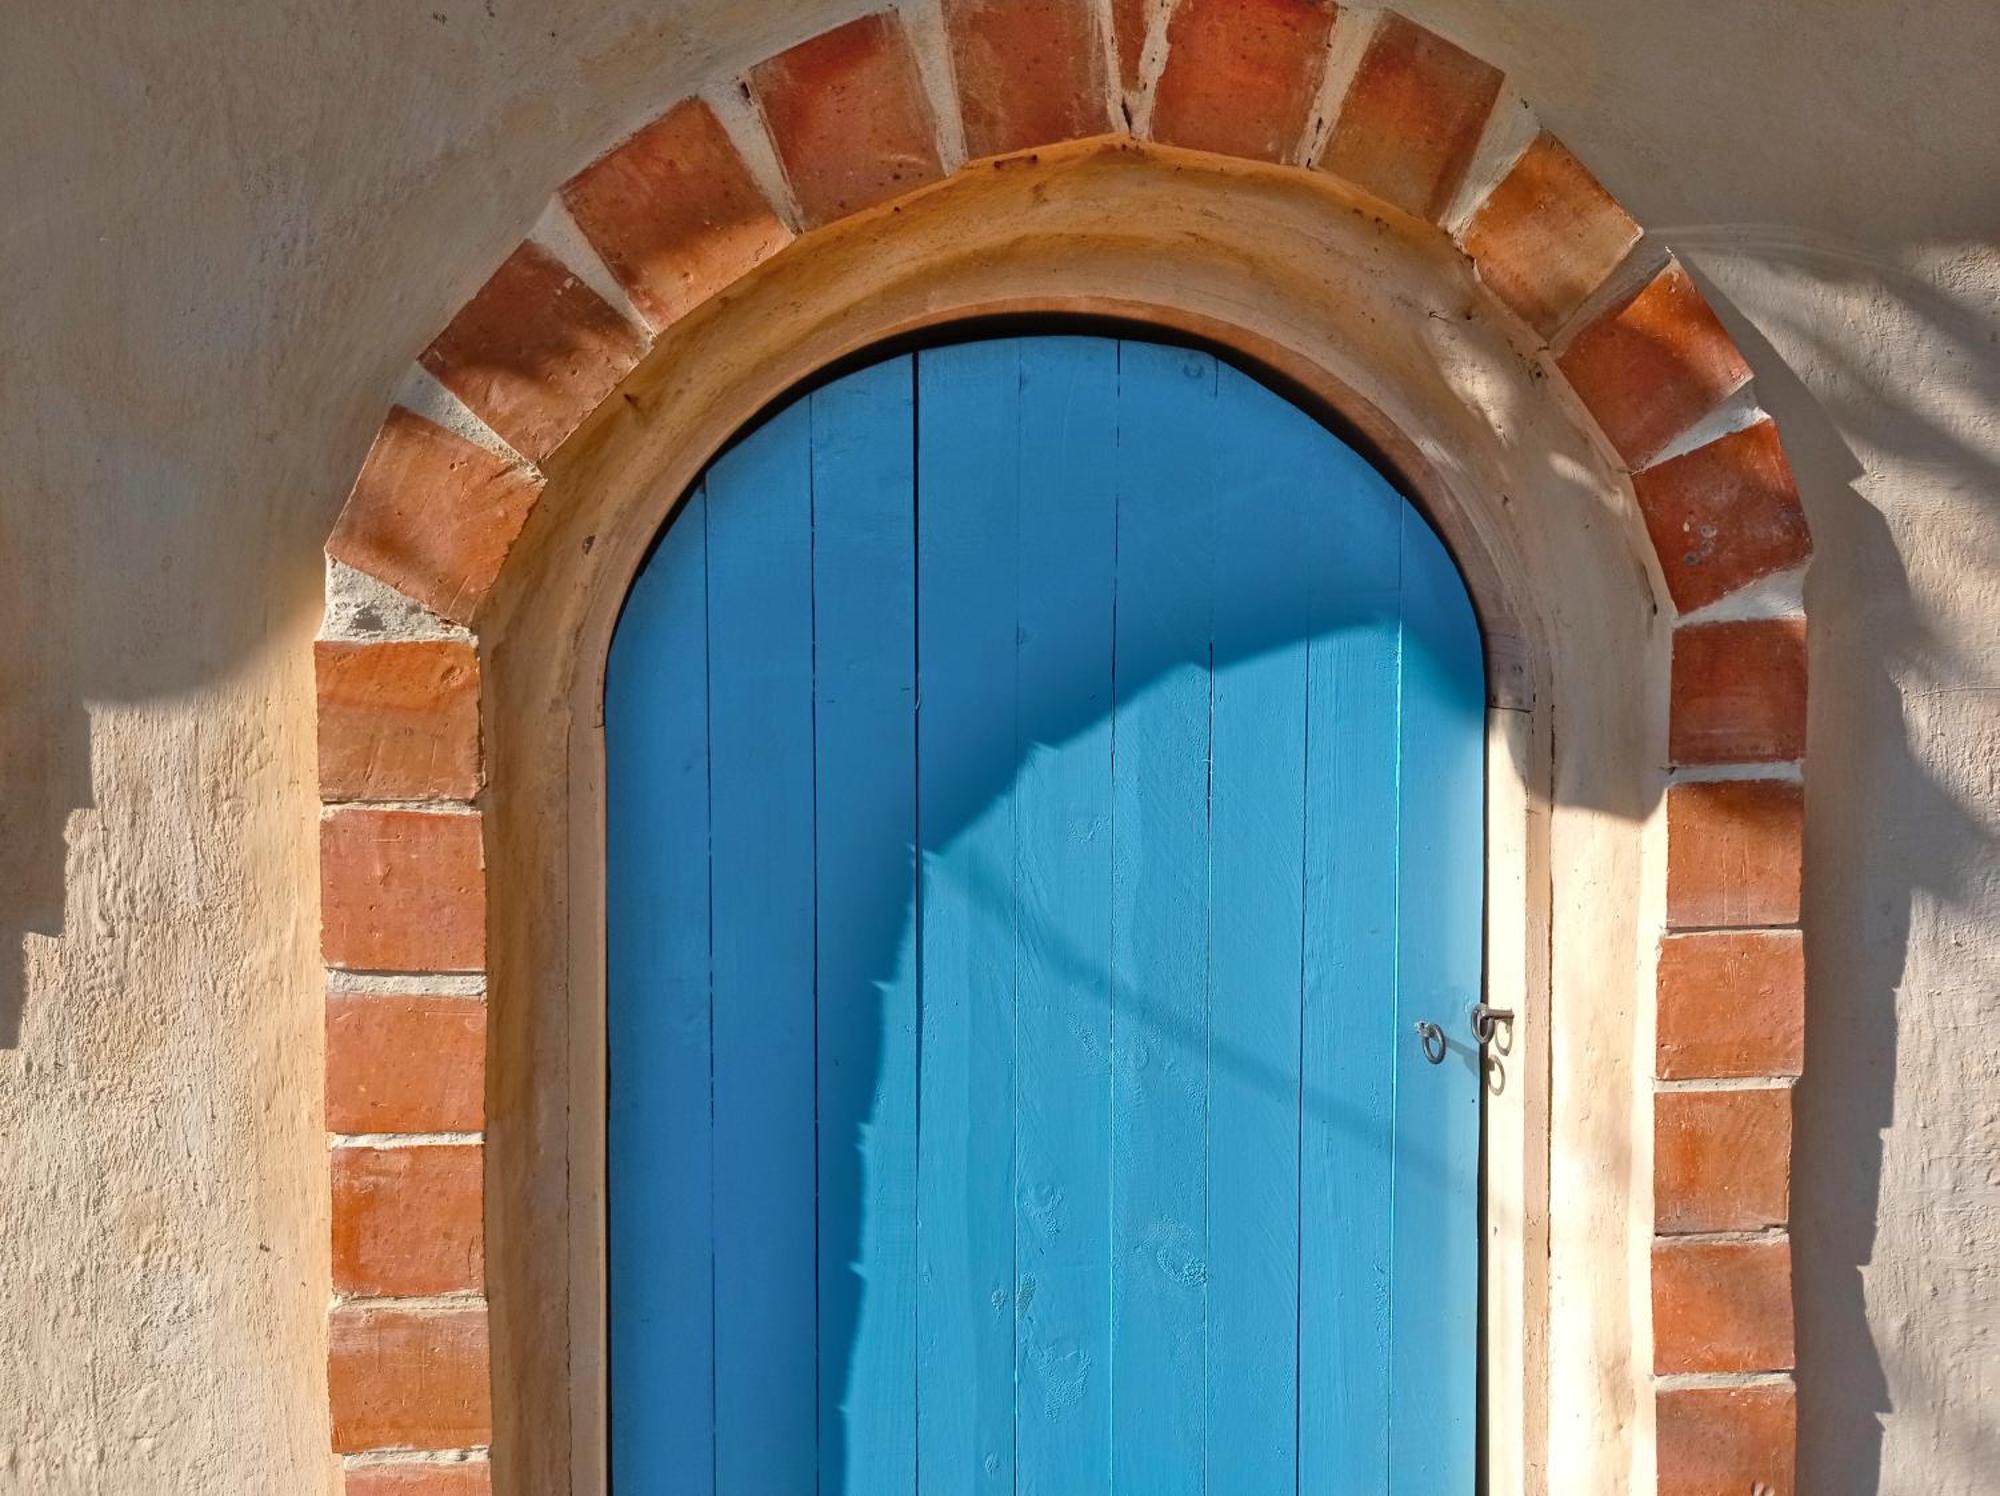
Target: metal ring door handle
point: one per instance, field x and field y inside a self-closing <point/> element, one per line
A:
<point x="1433" y="1041"/>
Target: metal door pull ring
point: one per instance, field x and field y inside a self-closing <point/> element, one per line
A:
<point x="1433" y="1040"/>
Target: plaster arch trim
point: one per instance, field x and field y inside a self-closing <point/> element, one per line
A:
<point x="1358" y="211"/>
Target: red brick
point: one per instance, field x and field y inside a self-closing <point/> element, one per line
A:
<point x="398" y="720"/>
<point x="1739" y="693"/>
<point x="849" y="118"/>
<point x="1651" y="367"/>
<point x="675" y="213"/>
<point x="402" y="890"/>
<point x="1129" y="20"/>
<point x="1412" y="118"/>
<point x="1722" y="1306"/>
<point x="1734" y="853"/>
<point x="408" y="1221"/>
<point x="1029" y="72"/>
<point x="433" y="515"/>
<point x="1728" y="1441"/>
<point x="408" y="1379"/>
<point x="458" y="1478"/>
<point x="399" y="1062"/>
<point x="1722" y="1160"/>
<point x="1548" y="236"/>
<point x="1242" y="75"/>
<point x="1731" y="1004"/>
<point x="534" y="352"/>
<point x="1723" y="515"/>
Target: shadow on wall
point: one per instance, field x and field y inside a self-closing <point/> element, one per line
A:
<point x="1881" y="832"/>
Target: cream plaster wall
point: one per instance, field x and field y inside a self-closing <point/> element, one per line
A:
<point x="229" y="228"/>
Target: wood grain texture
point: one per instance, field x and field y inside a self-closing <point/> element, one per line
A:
<point x="1091" y="809"/>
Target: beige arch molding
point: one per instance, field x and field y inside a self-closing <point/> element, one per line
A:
<point x="1361" y="212"/>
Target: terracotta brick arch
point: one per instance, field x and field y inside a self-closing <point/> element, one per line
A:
<point x="850" y="122"/>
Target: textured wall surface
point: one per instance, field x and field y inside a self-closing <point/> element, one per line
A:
<point x="229" y="230"/>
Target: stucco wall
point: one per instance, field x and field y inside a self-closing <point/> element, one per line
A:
<point x="229" y="229"/>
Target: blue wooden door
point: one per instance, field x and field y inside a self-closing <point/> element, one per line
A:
<point x="1045" y="794"/>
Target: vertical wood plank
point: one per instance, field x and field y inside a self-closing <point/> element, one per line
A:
<point x="657" y="1024"/>
<point x="1435" y="1252"/>
<point x="864" y="723"/>
<point x="967" y="547"/>
<point x="1349" y="1023"/>
<point x="761" y="777"/>
<point x="1067" y="448"/>
<point x="1160" y="870"/>
<point x="1269" y="453"/>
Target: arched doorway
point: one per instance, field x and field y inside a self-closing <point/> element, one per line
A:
<point x="1044" y="800"/>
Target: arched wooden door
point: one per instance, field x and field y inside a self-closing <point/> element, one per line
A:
<point x="1045" y="796"/>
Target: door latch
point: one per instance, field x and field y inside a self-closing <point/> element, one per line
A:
<point x="1484" y="1019"/>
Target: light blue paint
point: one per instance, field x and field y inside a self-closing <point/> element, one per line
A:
<point x="1045" y="792"/>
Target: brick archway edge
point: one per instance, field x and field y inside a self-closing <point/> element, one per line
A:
<point x="845" y="123"/>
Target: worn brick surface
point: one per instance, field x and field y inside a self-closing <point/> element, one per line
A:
<point x="398" y="720"/>
<point x="458" y="1478"/>
<point x="433" y="515"/>
<point x="1731" y="1004"/>
<point x="398" y="1062"/>
<point x="1029" y="72"/>
<point x="1241" y="75"/>
<point x="1722" y="1160"/>
<point x="1651" y="367"/>
<point x="534" y="351"/>
<point x="408" y="1221"/>
<point x="1734" y="852"/>
<point x="1739" y="692"/>
<point x="1723" y="515"/>
<point x="408" y="1378"/>
<point x="1722" y="1305"/>
<point x="1548" y="235"/>
<point x="1412" y="118"/>
<point x="674" y="213"/>
<point x="402" y="890"/>
<point x="849" y="118"/>
<point x="1728" y="1441"/>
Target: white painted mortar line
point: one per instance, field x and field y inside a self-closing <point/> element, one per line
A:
<point x="1688" y="1381"/>
<point x="405" y="984"/>
<point x="1728" y="1083"/>
<point x="1791" y="772"/>
<point x="1353" y="30"/>
<point x="422" y="392"/>
<point x="742" y="120"/>
<point x="1114" y="72"/>
<point x="1782" y="594"/>
<point x="1510" y="129"/>
<point x="417" y="807"/>
<point x="1738" y="411"/>
<point x="362" y="608"/>
<point x="430" y="1303"/>
<point x="557" y="232"/>
<point x="471" y="1454"/>
<point x="1645" y="259"/>
<point x="390" y="1141"/>
<point x="1763" y="1237"/>
<point x="1152" y="63"/>
<point x="923" y="23"/>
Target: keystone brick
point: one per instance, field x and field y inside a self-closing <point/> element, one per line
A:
<point x="1242" y="75"/>
<point x="1029" y="72"/>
